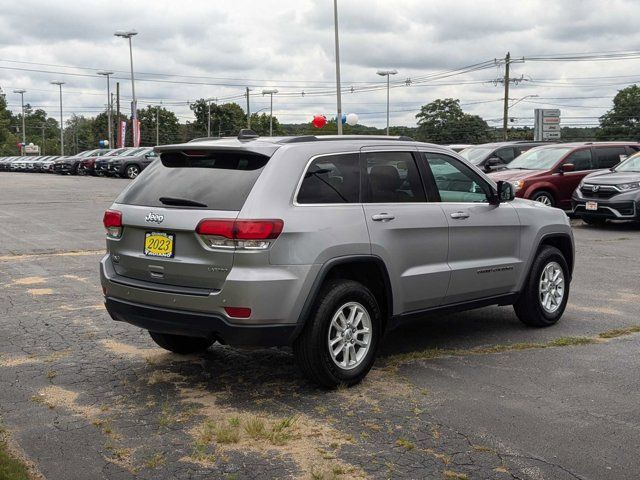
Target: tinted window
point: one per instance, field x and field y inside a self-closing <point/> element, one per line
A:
<point x="505" y="154"/>
<point x="392" y="177"/>
<point x="332" y="179"/>
<point x="219" y="180"/>
<point x="607" y="157"/>
<point x="581" y="159"/>
<point x="456" y="182"/>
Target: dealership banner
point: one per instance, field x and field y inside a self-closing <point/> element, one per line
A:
<point x="122" y="133"/>
<point x="136" y="134"/>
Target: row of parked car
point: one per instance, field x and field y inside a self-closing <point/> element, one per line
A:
<point x="596" y="181"/>
<point x="120" y="162"/>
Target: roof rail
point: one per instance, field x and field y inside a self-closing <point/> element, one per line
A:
<point x="247" y="134"/>
<point x="318" y="138"/>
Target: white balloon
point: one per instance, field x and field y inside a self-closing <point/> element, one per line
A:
<point x="352" y="119"/>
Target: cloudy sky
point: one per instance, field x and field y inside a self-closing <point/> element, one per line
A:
<point x="193" y="49"/>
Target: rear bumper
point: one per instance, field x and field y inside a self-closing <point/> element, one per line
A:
<point x="195" y="324"/>
<point x="274" y="294"/>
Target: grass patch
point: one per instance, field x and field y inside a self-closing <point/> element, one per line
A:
<point x="620" y="332"/>
<point x="451" y="475"/>
<point x="570" y="341"/>
<point x="227" y="434"/>
<point x="11" y="468"/>
<point x="155" y="461"/>
<point x="406" y="444"/>
<point x="434" y="353"/>
<point x="255" y="428"/>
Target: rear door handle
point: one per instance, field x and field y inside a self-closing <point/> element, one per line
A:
<point x="460" y="215"/>
<point x="382" y="217"/>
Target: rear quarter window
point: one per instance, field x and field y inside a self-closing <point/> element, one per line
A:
<point x="221" y="180"/>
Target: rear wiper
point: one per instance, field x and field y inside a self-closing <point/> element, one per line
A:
<point x="181" y="202"/>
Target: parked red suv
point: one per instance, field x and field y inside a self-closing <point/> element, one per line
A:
<point x="549" y="174"/>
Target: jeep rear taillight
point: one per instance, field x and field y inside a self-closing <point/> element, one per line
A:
<point x="112" y="221"/>
<point x="239" y="234"/>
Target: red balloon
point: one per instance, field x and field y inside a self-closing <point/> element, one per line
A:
<point x="319" y="121"/>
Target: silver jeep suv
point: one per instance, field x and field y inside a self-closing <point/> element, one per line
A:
<point x="322" y="244"/>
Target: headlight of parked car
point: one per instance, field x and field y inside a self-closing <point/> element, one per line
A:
<point x="518" y="185"/>
<point x="628" y="186"/>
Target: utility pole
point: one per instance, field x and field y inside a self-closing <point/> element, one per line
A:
<point x="43" y="139"/>
<point x="109" y="134"/>
<point x="338" y="90"/>
<point x="248" y="110"/>
<point x="118" y="135"/>
<point x="61" y="121"/>
<point x="111" y="124"/>
<point x="157" y="125"/>
<point x="505" y="119"/>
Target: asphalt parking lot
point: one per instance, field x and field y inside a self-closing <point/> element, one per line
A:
<point x="470" y="395"/>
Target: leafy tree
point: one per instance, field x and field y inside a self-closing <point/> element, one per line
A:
<point x="169" y="127"/>
<point x="226" y="119"/>
<point x="8" y="138"/>
<point x="260" y="124"/>
<point x="443" y="121"/>
<point x="623" y="120"/>
<point x="79" y="135"/>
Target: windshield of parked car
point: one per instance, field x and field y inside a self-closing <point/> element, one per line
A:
<point x="631" y="164"/>
<point x="476" y="154"/>
<point x="541" y="158"/>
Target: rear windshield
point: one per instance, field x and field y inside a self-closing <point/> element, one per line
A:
<point x="218" y="180"/>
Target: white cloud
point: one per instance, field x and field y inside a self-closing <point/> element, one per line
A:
<point x="229" y="44"/>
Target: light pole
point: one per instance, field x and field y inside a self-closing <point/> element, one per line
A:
<point x="134" y="105"/>
<point x="106" y="74"/>
<point x="338" y="90"/>
<point x="209" y="100"/>
<point x="61" y="124"/>
<point x="521" y="99"/>
<point x="270" y="92"/>
<point x="387" y="73"/>
<point x="22" y="91"/>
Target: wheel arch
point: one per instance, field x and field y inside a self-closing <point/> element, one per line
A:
<point x="369" y="270"/>
<point x="562" y="242"/>
<point x="543" y="187"/>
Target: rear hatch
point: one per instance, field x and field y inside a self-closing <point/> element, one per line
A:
<point x="162" y="208"/>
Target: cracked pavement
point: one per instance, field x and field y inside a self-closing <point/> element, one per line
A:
<point x="86" y="397"/>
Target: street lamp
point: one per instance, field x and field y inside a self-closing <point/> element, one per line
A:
<point x="106" y="74"/>
<point x="22" y="91"/>
<point x="387" y="73"/>
<point x="134" y="105"/>
<point x="270" y="92"/>
<point x="61" y="124"/>
<point x="521" y="99"/>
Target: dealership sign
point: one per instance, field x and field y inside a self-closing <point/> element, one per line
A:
<point x="547" y="124"/>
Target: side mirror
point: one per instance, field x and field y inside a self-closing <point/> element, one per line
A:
<point x="492" y="162"/>
<point x="505" y="193"/>
<point x="567" y="167"/>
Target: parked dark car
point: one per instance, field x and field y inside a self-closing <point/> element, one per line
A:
<point x="612" y="194"/>
<point x="5" y="163"/>
<point x="87" y="164"/>
<point x="128" y="166"/>
<point x="495" y="156"/>
<point x="549" y="174"/>
<point x="70" y="164"/>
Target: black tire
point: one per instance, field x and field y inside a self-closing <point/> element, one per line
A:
<point x="545" y="197"/>
<point x="131" y="171"/>
<point x="311" y="349"/>
<point x="529" y="307"/>
<point x="180" y="343"/>
<point x="596" y="222"/>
